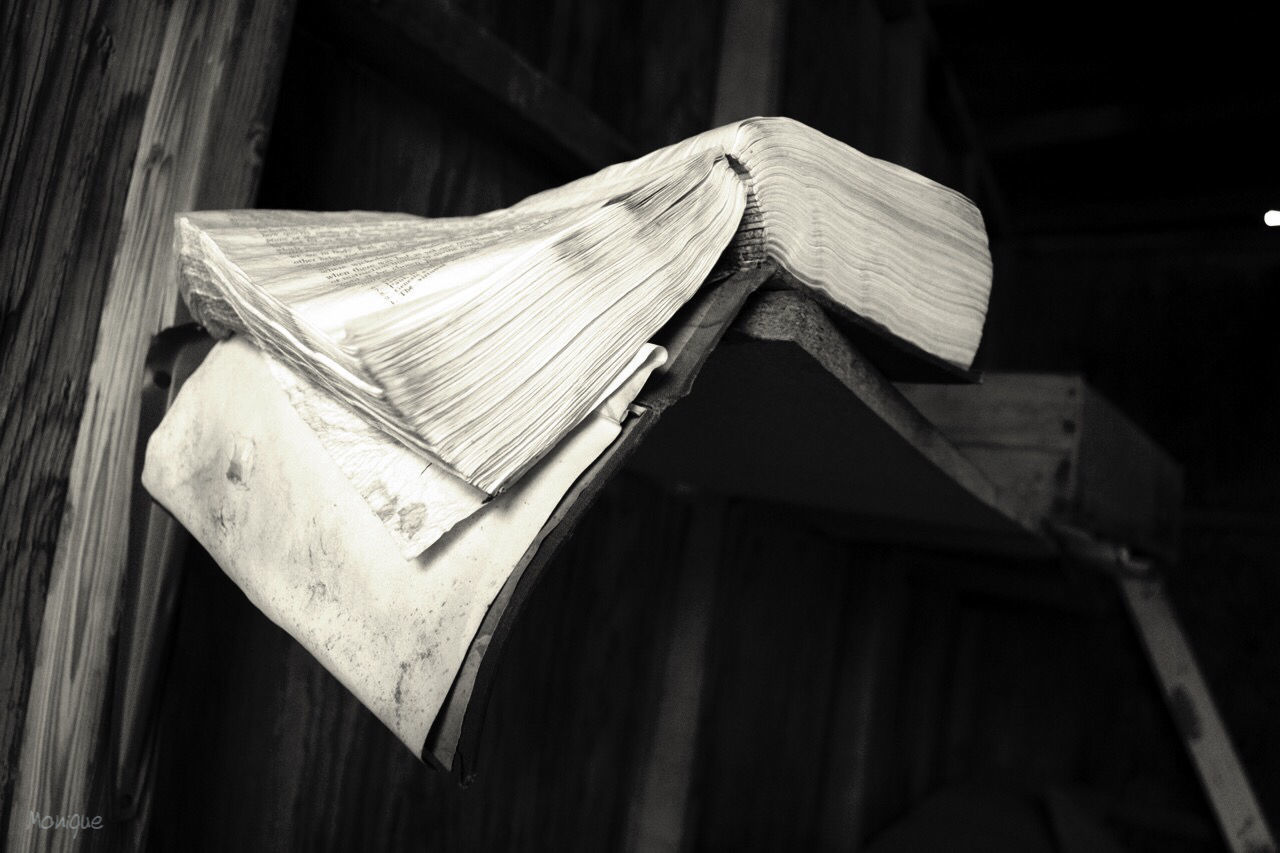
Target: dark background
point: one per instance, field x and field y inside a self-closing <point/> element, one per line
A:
<point x="1123" y="156"/>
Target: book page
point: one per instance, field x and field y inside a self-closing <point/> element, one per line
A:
<point x="414" y="497"/>
<point x="234" y="463"/>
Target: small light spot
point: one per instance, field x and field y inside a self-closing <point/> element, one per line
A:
<point x="1272" y="218"/>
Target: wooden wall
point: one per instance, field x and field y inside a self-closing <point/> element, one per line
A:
<point x="262" y="749"/>
<point x="647" y="67"/>
<point x="114" y="115"/>
<point x="72" y="107"/>
<point x="842" y="683"/>
<point x="1176" y="332"/>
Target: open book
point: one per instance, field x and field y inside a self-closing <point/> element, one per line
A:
<point x="481" y="342"/>
<point x="410" y="403"/>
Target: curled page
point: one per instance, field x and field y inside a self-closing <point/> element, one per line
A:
<point x="415" y="498"/>
<point x="236" y="464"/>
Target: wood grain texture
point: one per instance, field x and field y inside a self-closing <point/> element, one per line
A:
<point x="1243" y="824"/>
<point x="347" y="137"/>
<point x="431" y="47"/>
<point x="1128" y="487"/>
<point x="658" y="816"/>
<point x="71" y="110"/>
<point x="752" y="40"/>
<point x="646" y="67"/>
<point x="690" y="338"/>
<point x="1022" y="431"/>
<point x="786" y="410"/>
<point x="841" y="95"/>
<point x="1066" y="453"/>
<point x="868" y="647"/>
<point x="775" y="634"/>
<point x="187" y="152"/>
<point x="260" y="748"/>
<point x="453" y="743"/>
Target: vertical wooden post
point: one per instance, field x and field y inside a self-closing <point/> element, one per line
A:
<point x="1244" y="828"/>
<point x="873" y="621"/>
<point x="747" y="84"/>
<point x="659" y="808"/>
<point x="903" y="105"/>
<point x="201" y="142"/>
<point x="71" y="109"/>
<point x="750" y="71"/>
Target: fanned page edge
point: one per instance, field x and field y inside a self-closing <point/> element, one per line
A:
<point x="416" y="500"/>
<point x="861" y="287"/>
<point x="776" y="223"/>
<point x="906" y="254"/>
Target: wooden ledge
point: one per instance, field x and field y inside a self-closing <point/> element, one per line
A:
<point x="764" y="398"/>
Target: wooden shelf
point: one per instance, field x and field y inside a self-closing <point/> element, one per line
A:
<point x="1066" y="455"/>
<point x="764" y="398"/>
<point x="428" y="46"/>
<point x="788" y="410"/>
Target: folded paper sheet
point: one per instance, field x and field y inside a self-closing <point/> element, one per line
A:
<point x="236" y="464"/>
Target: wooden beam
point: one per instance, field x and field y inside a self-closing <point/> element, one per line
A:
<point x="874" y="617"/>
<point x="200" y="144"/>
<point x="820" y="390"/>
<point x="76" y="83"/>
<point x="658" y="818"/>
<point x="904" y="74"/>
<point x="430" y="47"/>
<point x="751" y="45"/>
<point x="454" y="740"/>
<point x="1244" y="827"/>
<point x="1064" y="453"/>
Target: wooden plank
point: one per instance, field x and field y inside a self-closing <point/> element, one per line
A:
<point x="578" y="682"/>
<point x="1127" y="488"/>
<point x="840" y="93"/>
<point x="779" y="614"/>
<point x="200" y="143"/>
<point x="262" y="748"/>
<point x="903" y="114"/>
<point x="1057" y="446"/>
<point x="347" y="138"/>
<point x="1025" y="411"/>
<point x="76" y="83"/>
<point x="751" y="45"/>
<point x="1244" y="827"/>
<point x="869" y="648"/>
<point x="647" y="67"/>
<point x="430" y="47"/>
<point x="156" y="547"/>
<point x="454" y="738"/>
<point x="786" y="410"/>
<point x="658" y="818"/>
<point x="1022" y="430"/>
